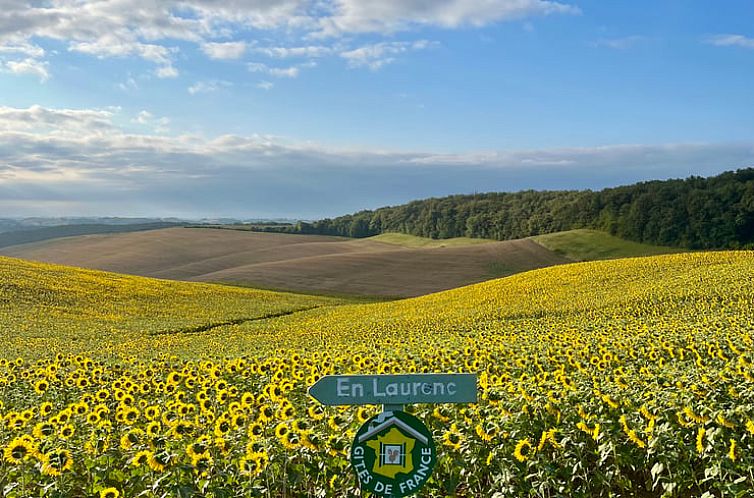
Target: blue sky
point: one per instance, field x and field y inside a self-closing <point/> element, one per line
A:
<point x="310" y="108"/>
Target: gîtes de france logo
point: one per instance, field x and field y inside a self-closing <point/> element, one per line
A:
<point x="393" y="454"/>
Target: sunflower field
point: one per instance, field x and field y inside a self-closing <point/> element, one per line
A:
<point x="630" y="377"/>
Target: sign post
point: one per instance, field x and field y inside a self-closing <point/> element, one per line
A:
<point x="393" y="453"/>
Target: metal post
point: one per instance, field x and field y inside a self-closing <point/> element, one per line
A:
<point x="392" y="408"/>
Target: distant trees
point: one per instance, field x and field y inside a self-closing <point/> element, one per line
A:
<point x="697" y="213"/>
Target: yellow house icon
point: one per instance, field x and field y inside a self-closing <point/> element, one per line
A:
<point x="393" y="449"/>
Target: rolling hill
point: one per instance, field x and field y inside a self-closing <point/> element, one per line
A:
<point x="638" y="368"/>
<point x="390" y="266"/>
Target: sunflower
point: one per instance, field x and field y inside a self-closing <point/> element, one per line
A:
<point x="486" y="433"/>
<point x="286" y="412"/>
<point x="266" y="413"/>
<point x="142" y="458"/>
<point x="202" y="463"/>
<point x="130" y="438"/>
<point x="281" y="430"/>
<point x="362" y="414"/>
<point x="109" y="493"/>
<point x="336" y="422"/>
<point x="67" y="431"/>
<point x="452" y="438"/>
<point x="291" y="440"/>
<point x="41" y="386"/>
<point x="44" y="409"/>
<point x="18" y="450"/>
<point x="198" y="447"/>
<point x="316" y="412"/>
<point x="523" y="450"/>
<point x="249" y="467"/>
<point x="158" y="461"/>
<point x="152" y="412"/>
<point x="247" y="400"/>
<point x="43" y="430"/>
<point x="256" y="430"/>
<point x="222" y="427"/>
<point x="181" y="429"/>
<point x="55" y="462"/>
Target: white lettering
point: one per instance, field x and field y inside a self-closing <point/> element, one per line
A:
<point x="427" y="389"/>
<point x="341" y="387"/>
<point x="439" y="387"/>
<point x="451" y="388"/>
<point x="376" y="389"/>
<point x="392" y="389"/>
<point x="357" y="390"/>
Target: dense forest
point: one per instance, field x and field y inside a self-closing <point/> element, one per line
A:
<point x="696" y="213"/>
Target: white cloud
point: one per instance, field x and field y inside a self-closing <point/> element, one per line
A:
<point x="730" y="41"/>
<point x="67" y="155"/>
<point x="166" y="72"/>
<point x="152" y="30"/>
<point x="388" y="16"/>
<point x="311" y="51"/>
<point x="623" y="43"/>
<point x="278" y="72"/>
<point x="24" y="48"/>
<point x="265" y="85"/>
<point x="225" y="51"/>
<point x="377" y="55"/>
<point x="29" y="66"/>
<point x="208" y="86"/>
<point x="146" y="118"/>
<point x="58" y="121"/>
<point x="143" y="117"/>
<point x="130" y="85"/>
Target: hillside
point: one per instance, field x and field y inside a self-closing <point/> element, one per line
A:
<point x="627" y="377"/>
<point x="303" y="263"/>
<point x="593" y="245"/>
<point x="695" y="213"/>
<point x="63" y="307"/>
<point x="406" y="240"/>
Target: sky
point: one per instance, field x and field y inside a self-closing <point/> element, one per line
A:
<point x="316" y="108"/>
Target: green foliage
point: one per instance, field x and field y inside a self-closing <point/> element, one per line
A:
<point x="592" y="245"/>
<point x="696" y="213"/>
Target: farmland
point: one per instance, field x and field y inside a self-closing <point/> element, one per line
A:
<point x="629" y="377"/>
<point x="387" y="265"/>
<point x="391" y="265"/>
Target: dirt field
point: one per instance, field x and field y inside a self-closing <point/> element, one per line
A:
<point x="305" y="263"/>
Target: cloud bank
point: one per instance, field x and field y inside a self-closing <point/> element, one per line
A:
<point x="79" y="162"/>
<point x="153" y="31"/>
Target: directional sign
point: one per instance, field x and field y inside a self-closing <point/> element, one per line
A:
<point x="395" y="389"/>
<point x="393" y="454"/>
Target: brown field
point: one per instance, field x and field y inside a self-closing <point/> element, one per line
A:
<point x="304" y="263"/>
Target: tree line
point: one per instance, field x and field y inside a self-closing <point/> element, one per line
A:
<point x="696" y="213"/>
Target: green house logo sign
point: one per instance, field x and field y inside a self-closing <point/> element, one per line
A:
<point x="393" y="454"/>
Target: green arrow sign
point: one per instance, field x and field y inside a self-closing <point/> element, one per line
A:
<point x="395" y="389"/>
